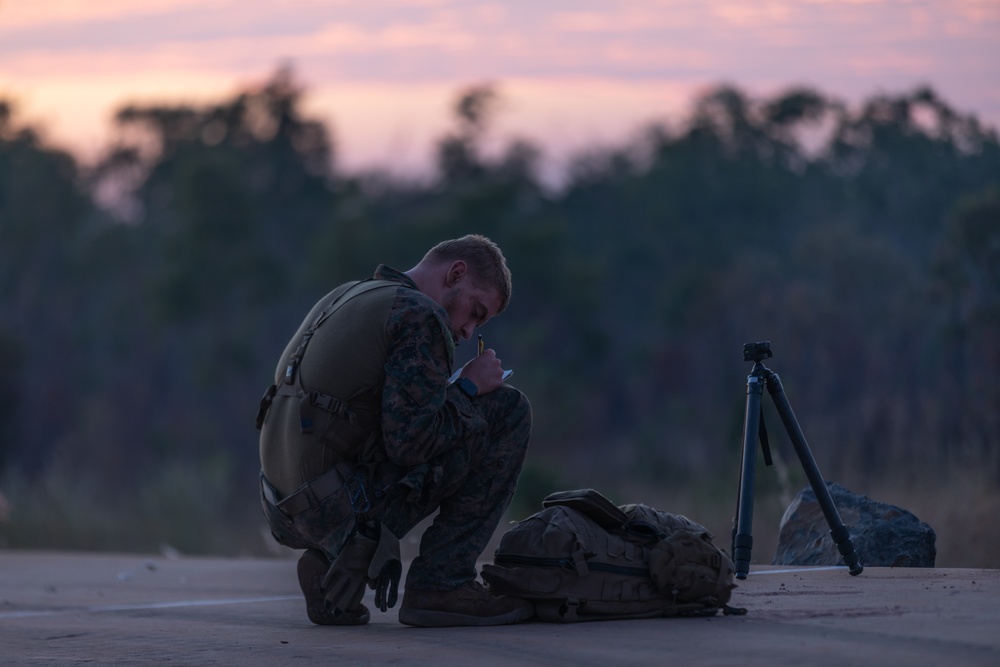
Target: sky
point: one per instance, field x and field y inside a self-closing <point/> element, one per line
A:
<point x="383" y="75"/>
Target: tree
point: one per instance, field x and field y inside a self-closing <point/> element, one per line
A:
<point x="967" y="271"/>
<point x="44" y="214"/>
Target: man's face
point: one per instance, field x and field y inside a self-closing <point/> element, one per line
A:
<point x="469" y="306"/>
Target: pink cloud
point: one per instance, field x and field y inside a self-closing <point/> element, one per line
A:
<point x="606" y="59"/>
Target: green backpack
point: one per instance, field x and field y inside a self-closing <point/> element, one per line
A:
<point x="583" y="558"/>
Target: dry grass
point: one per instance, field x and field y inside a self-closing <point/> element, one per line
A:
<point x="961" y="502"/>
<point x="959" y="498"/>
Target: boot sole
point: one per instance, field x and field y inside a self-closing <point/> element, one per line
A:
<point x="423" y="618"/>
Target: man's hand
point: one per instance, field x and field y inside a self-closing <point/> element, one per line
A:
<point x="344" y="583"/>
<point x="385" y="569"/>
<point x="370" y="557"/>
<point x="485" y="371"/>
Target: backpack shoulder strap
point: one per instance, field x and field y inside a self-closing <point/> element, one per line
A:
<point x="352" y="291"/>
<point x="292" y="388"/>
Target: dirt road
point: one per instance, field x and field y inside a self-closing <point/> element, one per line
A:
<point x="113" y="609"/>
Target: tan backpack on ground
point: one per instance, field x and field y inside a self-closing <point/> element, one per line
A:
<point x="584" y="558"/>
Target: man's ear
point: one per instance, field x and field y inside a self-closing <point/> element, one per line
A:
<point x="456" y="271"/>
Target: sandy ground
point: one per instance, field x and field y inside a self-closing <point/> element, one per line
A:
<point x="120" y="609"/>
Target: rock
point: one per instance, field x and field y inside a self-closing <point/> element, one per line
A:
<point x="883" y="535"/>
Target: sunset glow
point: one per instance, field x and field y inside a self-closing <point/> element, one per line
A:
<point x="572" y="73"/>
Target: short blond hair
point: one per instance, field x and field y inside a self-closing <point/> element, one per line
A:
<point x="486" y="262"/>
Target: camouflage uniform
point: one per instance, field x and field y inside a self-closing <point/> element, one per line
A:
<point x="431" y="447"/>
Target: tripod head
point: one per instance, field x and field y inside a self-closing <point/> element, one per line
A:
<point x="757" y="352"/>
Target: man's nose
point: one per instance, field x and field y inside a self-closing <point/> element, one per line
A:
<point x="466" y="331"/>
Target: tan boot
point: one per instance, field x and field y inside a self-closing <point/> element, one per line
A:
<point x="313" y="565"/>
<point x="469" y="604"/>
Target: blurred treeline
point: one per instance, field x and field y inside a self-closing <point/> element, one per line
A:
<point x="144" y="301"/>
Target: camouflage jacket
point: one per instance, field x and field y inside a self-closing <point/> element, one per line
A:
<point x="422" y="414"/>
<point x="386" y="354"/>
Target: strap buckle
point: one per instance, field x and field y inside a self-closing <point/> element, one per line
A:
<point x="357" y="494"/>
<point x="265" y="405"/>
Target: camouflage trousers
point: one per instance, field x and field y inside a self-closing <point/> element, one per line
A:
<point x="469" y="486"/>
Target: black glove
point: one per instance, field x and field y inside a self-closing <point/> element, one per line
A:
<point x="344" y="583"/>
<point x="371" y="556"/>
<point x="385" y="569"/>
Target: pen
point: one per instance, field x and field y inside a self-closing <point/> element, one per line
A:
<point x="481" y="345"/>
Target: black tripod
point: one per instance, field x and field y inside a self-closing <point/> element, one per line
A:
<point x="753" y="428"/>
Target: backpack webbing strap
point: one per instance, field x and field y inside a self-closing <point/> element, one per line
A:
<point x="291" y="371"/>
<point x="357" y="289"/>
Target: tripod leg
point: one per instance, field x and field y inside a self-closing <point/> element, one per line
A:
<point x="742" y="537"/>
<point x="838" y="531"/>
